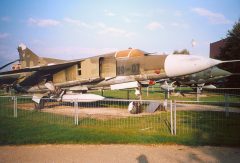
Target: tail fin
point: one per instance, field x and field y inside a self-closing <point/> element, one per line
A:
<point x="30" y="59"/>
<point x="27" y="57"/>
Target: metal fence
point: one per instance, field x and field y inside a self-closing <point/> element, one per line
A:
<point x="109" y="113"/>
<point x="216" y="120"/>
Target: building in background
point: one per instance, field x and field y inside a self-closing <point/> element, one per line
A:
<point x="215" y="48"/>
<point x="232" y="81"/>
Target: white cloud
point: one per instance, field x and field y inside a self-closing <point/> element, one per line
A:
<point x="101" y="28"/>
<point x="4" y="35"/>
<point x="77" y="22"/>
<point x="125" y="18"/>
<point x="112" y="31"/>
<point x="109" y="13"/>
<point x="43" y="22"/>
<point x="213" y="17"/>
<point x="73" y="52"/>
<point x="154" y="25"/>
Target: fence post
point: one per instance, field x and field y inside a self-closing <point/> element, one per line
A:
<point x="171" y="117"/>
<point x="165" y="104"/>
<point x="226" y="104"/>
<point x="76" y="113"/>
<point x="147" y="91"/>
<point x="14" y="106"/>
<point x="198" y="92"/>
<point x="175" y="118"/>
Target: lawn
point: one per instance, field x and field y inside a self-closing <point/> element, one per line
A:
<point x="193" y="128"/>
<point x="156" y="93"/>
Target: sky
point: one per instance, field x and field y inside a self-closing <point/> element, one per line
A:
<point x="74" y="29"/>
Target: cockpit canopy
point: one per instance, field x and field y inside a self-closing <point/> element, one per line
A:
<point x="130" y="53"/>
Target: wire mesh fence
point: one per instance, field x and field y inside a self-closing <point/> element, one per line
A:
<point x="208" y="120"/>
<point x="180" y="94"/>
<point x="109" y="113"/>
<point x="7" y="106"/>
<point x="203" y="120"/>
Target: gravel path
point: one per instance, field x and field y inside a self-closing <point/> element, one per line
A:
<point x="117" y="153"/>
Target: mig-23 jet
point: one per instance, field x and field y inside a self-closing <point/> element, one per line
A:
<point x="70" y="80"/>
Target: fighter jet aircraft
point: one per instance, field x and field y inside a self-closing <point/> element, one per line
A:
<point x="68" y="80"/>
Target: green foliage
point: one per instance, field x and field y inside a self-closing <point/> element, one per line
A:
<point x="184" y="51"/>
<point x="231" y="51"/>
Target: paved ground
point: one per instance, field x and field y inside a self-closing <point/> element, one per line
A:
<point x="117" y="153"/>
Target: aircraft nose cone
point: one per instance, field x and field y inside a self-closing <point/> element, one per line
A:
<point x="178" y="65"/>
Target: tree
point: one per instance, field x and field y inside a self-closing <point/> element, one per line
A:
<point x="184" y="51"/>
<point x="231" y="51"/>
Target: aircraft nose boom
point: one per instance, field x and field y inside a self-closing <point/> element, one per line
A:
<point x="178" y="65"/>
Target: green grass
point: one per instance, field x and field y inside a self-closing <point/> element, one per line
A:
<point x="23" y="132"/>
<point x="193" y="128"/>
<point x="157" y="94"/>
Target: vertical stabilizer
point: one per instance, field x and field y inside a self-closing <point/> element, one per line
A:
<point x="27" y="57"/>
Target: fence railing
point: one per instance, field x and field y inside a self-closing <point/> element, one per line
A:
<point x="204" y="120"/>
